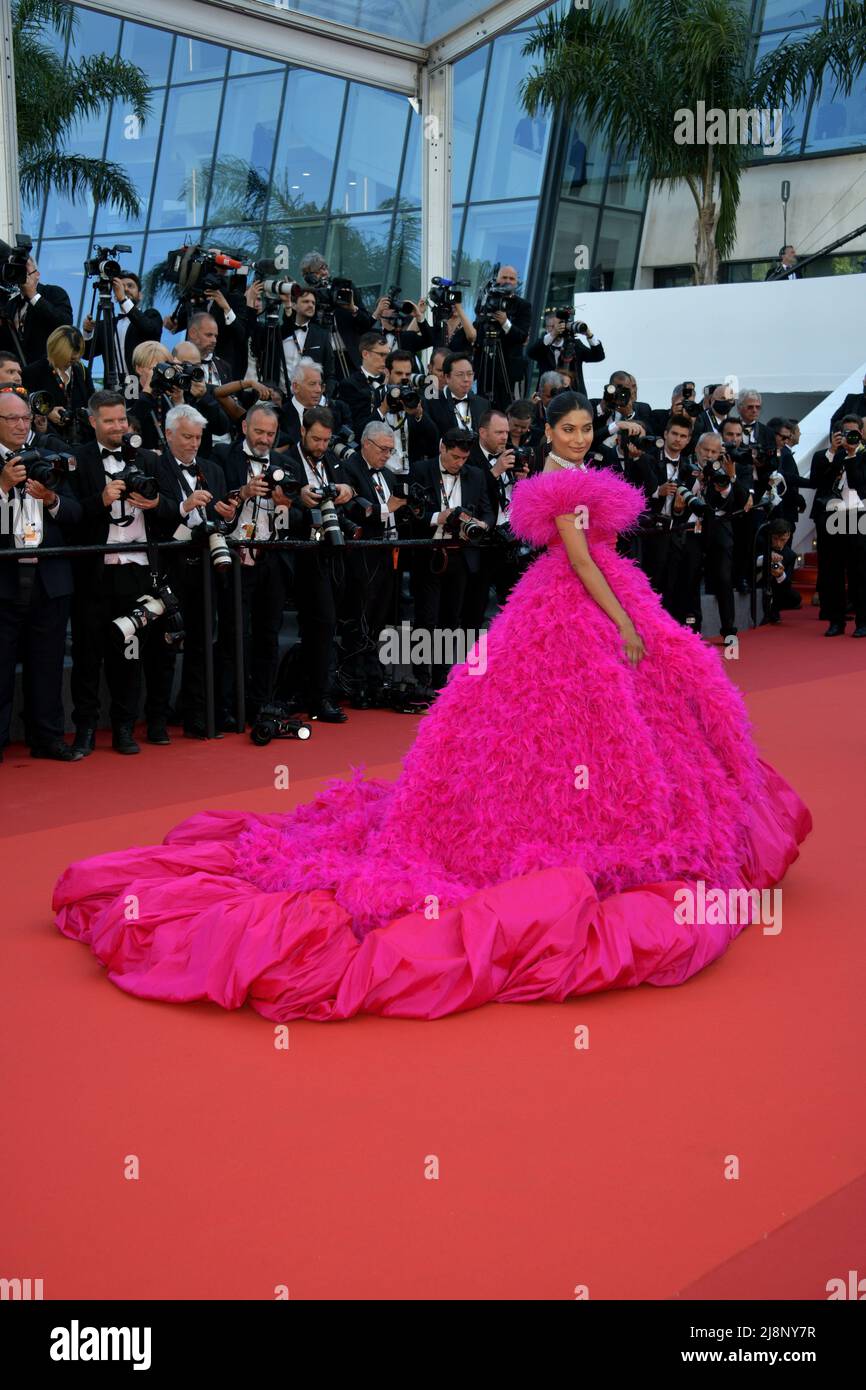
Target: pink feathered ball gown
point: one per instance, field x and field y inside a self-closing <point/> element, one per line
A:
<point x="553" y="802"/>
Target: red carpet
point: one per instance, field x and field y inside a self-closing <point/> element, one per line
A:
<point x="557" y="1167"/>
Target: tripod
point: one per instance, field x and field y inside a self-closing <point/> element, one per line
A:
<point x="8" y="305"/>
<point x="106" y="339"/>
<point x="272" y="359"/>
<point x="492" y="368"/>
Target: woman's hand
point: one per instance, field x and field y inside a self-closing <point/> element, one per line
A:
<point x="632" y="642"/>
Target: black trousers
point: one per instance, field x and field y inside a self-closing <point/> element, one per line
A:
<point x="95" y="640"/>
<point x="34" y="625"/>
<point x="672" y="561"/>
<point x="719" y="559"/>
<point x="439" y="605"/>
<point x="160" y="657"/>
<point x="263" y="599"/>
<point x="842" y="558"/>
<point x="368" y="607"/>
<point x="319" y="583"/>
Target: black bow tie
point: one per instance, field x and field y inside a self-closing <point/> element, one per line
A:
<point x="189" y="467"/>
<point x="108" y="453"/>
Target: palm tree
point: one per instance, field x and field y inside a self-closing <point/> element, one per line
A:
<point x="644" y="74"/>
<point x="51" y="97"/>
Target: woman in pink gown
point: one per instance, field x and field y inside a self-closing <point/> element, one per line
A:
<point x="588" y="765"/>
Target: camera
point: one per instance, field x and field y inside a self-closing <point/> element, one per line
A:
<point x="495" y="300"/>
<point x="691" y="408"/>
<point x="524" y="455"/>
<point x="137" y="481"/>
<point x="402" y="311"/>
<point x="716" y="473"/>
<point x="103" y="265"/>
<point x="44" y="467"/>
<point x="694" y="502"/>
<point x="412" y="493"/>
<point x="445" y="293"/>
<point x="853" y="437"/>
<point x="13" y="262"/>
<point x="150" y="609"/>
<point x="330" y="296"/>
<point x="165" y="377"/>
<point x="616" y="396"/>
<point x="399" y="399"/>
<point x="274" y="283"/>
<point x="331" y="527"/>
<point x="343" y="442"/>
<point x="275" y="721"/>
<point x="464" y="527"/>
<point x="199" y="272"/>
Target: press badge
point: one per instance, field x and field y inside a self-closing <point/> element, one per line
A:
<point x="31" y="533"/>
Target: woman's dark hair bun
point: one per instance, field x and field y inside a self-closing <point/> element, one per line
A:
<point x="563" y="403"/>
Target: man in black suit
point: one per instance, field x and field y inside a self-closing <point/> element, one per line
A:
<point x="682" y="403"/>
<point x="230" y="342"/>
<point x="35" y="593"/>
<point x="493" y="455"/>
<point x="132" y="324"/>
<point x="670" y="550"/>
<point x="724" y="497"/>
<point x="453" y="490"/>
<point x="618" y="406"/>
<point x="264" y="513"/>
<point x="359" y="390"/>
<point x="414" y="338"/>
<point x="203" y="331"/>
<point x="320" y="572"/>
<point x="785" y="268"/>
<point x="561" y="349"/>
<point x="711" y="419"/>
<point x="415" y="435"/>
<point x="107" y="586"/>
<point x="299" y="336"/>
<point x="755" y="432"/>
<point x="306" y="390"/>
<point x="779" y="591"/>
<point x="457" y="407"/>
<point x="853" y="404"/>
<point x="198" y="486"/>
<point x="839" y="510"/>
<point x="371" y="575"/>
<point x="501" y="336"/>
<point x="37" y="311"/>
<point x="351" y="319"/>
<point x="782" y="435"/>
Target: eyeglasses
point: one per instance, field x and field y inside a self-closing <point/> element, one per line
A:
<point x="383" y="448"/>
<point x="16" y="417"/>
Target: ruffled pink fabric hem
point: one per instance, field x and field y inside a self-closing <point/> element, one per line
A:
<point x="176" y="923"/>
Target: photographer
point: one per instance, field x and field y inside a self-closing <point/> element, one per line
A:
<point x="617" y="405"/>
<point x="300" y="335"/>
<point x="502" y="321"/>
<point x="724" y="497"/>
<point x="453" y="491"/>
<point x="148" y="405"/>
<point x="670" y="546"/>
<point x="779" y="591"/>
<point x="744" y="526"/>
<point x="853" y="404"/>
<point x="264" y="513"/>
<point x="559" y="349"/>
<point x="358" y="391"/>
<point x="307" y="391"/>
<point x="229" y="341"/>
<point x="403" y="325"/>
<point x="457" y="407"/>
<point x="682" y="403"/>
<point x="454" y="333"/>
<point x="782" y="435"/>
<point x="840" y="519"/>
<point x="713" y="417"/>
<point x="350" y="319"/>
<point x="501" y="466"/>
<point x="132" y="324"/>
<point x="320" y="574"/>
<point x="198" y="486"/>
<point x="65" y="381"/>
<point x="749" y="404"/>
<point x="192" y="389"/>
<point x="371" y="574"/>
<point x="35" y="593"/>
<point x="203" y="331"/>
<point x="107" y="586"/>
<point x="36" y="311"/>
<point x="402" y="410"/>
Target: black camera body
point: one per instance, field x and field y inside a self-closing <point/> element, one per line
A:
<point x="853" y="437"/>
<point x="275" y="283"/>
<point x="103" y="265"/>
<point x="445" y="293"/>
<point x="399" y="399"/>
<point x="402" y="312"/>
<point x="276" y="721"/>
<point x="199" y="272"/>
<point x="330" y="295"/>
<point x="464" y="527"/>
<point x="44" y="467"/>
<point x="13" y="262"/>
<point x="616" y="396"/>
<point x="524" y="455"/>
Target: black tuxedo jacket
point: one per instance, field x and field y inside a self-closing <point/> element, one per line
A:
<point x="88" y="482"/>
<point x="649" y="471"/>
<point x="55" y="571"/>
<point x="780" y="272"/>
<point x="422" y="437"/>
<point x="414" y="340"/>
<point x="235" y="466"/>
<point x="442" y="413"/>
<point x="360" y="477"/>
<point x="357" y="392"/>
<point x="145" y="325"/>
<point x="545" y="356"/>
<point x="290" y="421"/>
<point x="232" y="338"/>
<point x="335" y="471"/>
<point x="705" y="424"/>
<point x="52" y="310"/>
<point x="168" y="476"/>
<point x="317" y="346"/>
<point x="496" y="495"/>
<point x="600" y="435"/>
<point x="39" y="376"/>
<point x="473" y="489"/>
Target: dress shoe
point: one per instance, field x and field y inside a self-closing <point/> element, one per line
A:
<point x="85" y="740"/>
<point x="227" y="725"/>
<point x="328" y="713"/>
<point x="197" y="731"/>
<point x="59" y="752"/>
<point x="122" y="740"/>
<point x="859" y="632"/>
<point x="835" y="630"/>
<point x="157" y="733"/>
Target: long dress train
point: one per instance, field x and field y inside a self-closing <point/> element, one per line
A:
<point x="555" y="804"/>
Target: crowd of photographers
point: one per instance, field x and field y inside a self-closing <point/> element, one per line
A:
<point x="290" y="411"/>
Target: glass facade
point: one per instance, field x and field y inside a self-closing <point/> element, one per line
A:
<point x="250" y="153"/>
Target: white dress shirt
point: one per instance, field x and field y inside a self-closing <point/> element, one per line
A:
<point x="28" y="530"/>
<point x="451" y="495"/>
<point x="125" y="535"/>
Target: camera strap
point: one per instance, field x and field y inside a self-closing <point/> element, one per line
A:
<point x="152" y="560"/>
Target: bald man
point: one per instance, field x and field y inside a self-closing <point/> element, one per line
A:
<point x="497" y="378"/>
